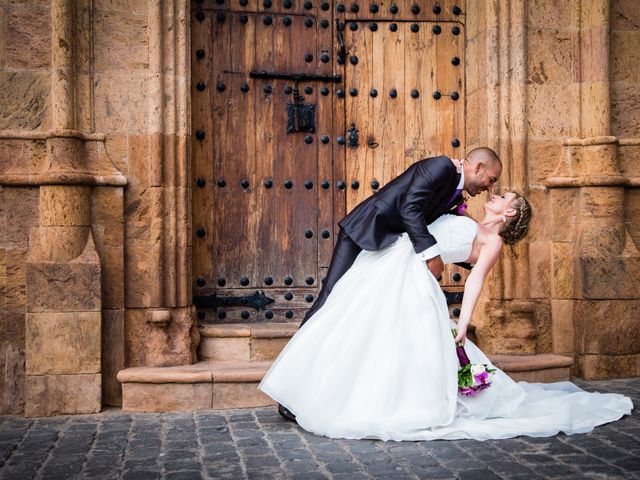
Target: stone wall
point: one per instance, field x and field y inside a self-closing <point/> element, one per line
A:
<point x="94" y="188"/>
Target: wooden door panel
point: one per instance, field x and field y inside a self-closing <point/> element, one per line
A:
<point x="259" y="205"/>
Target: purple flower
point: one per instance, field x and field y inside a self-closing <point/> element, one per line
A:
<point x="461" y="208"/>
<point x="481" y="378"/>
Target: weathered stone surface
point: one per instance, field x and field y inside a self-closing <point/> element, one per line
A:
<point x="625" y="55"/>
<point x="121" y="41"/>
<point x="625" y="109"/>
<point x="563" y="285"/>
<point x="47" y="395"/>
<point x="12" y="381"/>
<point x="607" y="327"/>
<point x="564" y="214"/>
<point x="142" y="269"/>
<point x="623" y="13"/>
<point x="542" y="159"/>
<point x="57" y="286"/>
<point x="267" y="348"/>
<point x="239" y="395"/>
<point x="549" y="59"/>
<point x="563" y="328"/>
<point x="25" y="100"/>
<point x="28" y="36"/>
<point x="121" y="103"/>
<point x="148" y="345"/>
<point x="140" y="164"/>
<point x="65" y="206"/>
<point x="229" y="348"/>
<point x="632" y="207"/>
<point x="63" y="343"/>
<point x="144" y="210"/>
<point x="595" y="367"/>
<point x="112" y="278"/>
<point x="20" y="211"/>
<point x="543" y="121"/>
<point x="545" y="14"/>
<point x="112" y="355"/>
<point x="166" y="397"/>
<point x="16" y="278"/>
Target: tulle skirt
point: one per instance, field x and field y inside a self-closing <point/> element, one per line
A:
<point x="378" y="361"/>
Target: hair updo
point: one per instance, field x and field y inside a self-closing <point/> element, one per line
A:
<point x="516" y="226"/>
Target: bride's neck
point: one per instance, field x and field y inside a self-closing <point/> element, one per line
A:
<point x="492" y="222"/>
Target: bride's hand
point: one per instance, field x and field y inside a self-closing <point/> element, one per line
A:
<point x="462" y="332"/>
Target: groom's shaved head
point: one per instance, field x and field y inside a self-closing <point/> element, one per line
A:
<point x="484" y="155"/>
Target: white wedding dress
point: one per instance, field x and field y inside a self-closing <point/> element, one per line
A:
<point x="378" y="361"/>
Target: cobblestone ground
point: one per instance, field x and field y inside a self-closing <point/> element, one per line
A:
<point x="259" y="444"/>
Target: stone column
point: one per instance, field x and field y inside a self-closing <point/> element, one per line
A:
<point x="594" y="306"/>
<point x="63" y="323"/>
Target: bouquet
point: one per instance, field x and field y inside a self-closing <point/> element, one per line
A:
<point x="472" y="378"/>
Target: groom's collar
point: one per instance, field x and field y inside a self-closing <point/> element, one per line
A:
<point x="461" y="182"/>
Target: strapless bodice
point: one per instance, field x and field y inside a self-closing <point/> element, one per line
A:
<point x="455" y="235"/>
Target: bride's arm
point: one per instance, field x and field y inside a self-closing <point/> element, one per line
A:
<point x="487" y="258"/>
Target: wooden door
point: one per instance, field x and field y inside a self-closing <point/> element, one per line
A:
<point x="262" y="195"/>
<point x="267" y="189"/>
<point x="404" y="94"/>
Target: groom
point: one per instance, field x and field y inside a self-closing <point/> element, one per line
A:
<point x="426" y="190"/>
<point x="410" y="202"/>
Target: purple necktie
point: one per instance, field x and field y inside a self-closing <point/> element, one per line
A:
<point x="455" y="195"/>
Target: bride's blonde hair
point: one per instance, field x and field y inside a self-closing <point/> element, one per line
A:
<point x="515" y="227"/>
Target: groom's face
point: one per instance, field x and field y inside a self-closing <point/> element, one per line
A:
<point x="482" y="177"/>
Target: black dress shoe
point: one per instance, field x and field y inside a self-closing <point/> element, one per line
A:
<point x="286" y="414"/>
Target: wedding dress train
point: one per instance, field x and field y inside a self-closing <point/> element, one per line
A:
<point x="378" y="361"/>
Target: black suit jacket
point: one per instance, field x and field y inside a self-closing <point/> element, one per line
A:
<point x="408" y="203"/>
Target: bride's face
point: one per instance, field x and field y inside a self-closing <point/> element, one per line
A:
<point x="501" y="204"/>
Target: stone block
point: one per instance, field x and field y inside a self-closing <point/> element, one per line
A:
<point x="117" y="147"/>
<point x="539" y="227"/>
<point x="107" y="210"/>
<point x="623" y="14"/>
<point x="48" y="395"/>
<point x="543" y="326"/>
<point x="542" y="159"/>
<point x="121" y="103"/>
<point x="632" y="209"/>
<point x="564" y="214"/>
<point x="121" y="41"/>
<point x="144" y="212"/>
<point x="135" y="7"/>
<point x="150" y="345"/>
<point x="28" y="37"/>
<point x="20" y="208"/>
<point x="625" y="109"/>
<point x="625" y="56"/>
<point x="65" y="206"/>
<point x="140" y="164"/>
<point x="63" y="287"/>
<point x="3" y="278"/>
<point x="112" y="355"/>
<point x="607" y="327"/>
<point x="546" y="14"/>
<point x="549" y="56"/>
<point x="629" y="160"/>
<point x="63" y="343"/>
<point x="25" y="100"/>
<point x="602" y="202"/>
<point x="609" y="278"/>
<point x="226" y="348"/>
<point x="267" y="348"/>
<point x="546" y="122"/>
<point x="143" y="275"/>
<point x="600" y="367"/>
<point x="239" y="395"/>
<point x="16" y="279"/>
<point x="12" y="379"/>
<point x="562" y="326"/>
<point x="563" y="280"/>
<point x="166" y="397"/>
<point x="112" y="277"/>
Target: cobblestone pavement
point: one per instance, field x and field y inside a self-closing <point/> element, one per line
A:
<point x="257" y="443"/>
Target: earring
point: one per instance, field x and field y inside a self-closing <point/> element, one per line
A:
<point x="504" y="218"/>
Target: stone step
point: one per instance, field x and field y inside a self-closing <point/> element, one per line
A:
<point x="218" y="385"/>
<point x="204" y="385"/>
<point x="543" y="367"/>
<point x="243" y="341"/>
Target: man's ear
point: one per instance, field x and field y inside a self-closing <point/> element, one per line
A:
<point x="478" y="167"/>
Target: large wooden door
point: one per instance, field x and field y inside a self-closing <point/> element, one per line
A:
<point x="271" y="179"/>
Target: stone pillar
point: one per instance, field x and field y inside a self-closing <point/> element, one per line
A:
<point x="595" y="263"/>
<point x="63" y="321"/>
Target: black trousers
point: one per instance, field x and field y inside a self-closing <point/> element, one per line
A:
<point x="344" y="254"/>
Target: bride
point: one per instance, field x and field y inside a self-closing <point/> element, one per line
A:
<point x="378" y="360"/>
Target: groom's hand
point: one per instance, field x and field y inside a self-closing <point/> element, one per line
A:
<point x="436" y="266"/>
